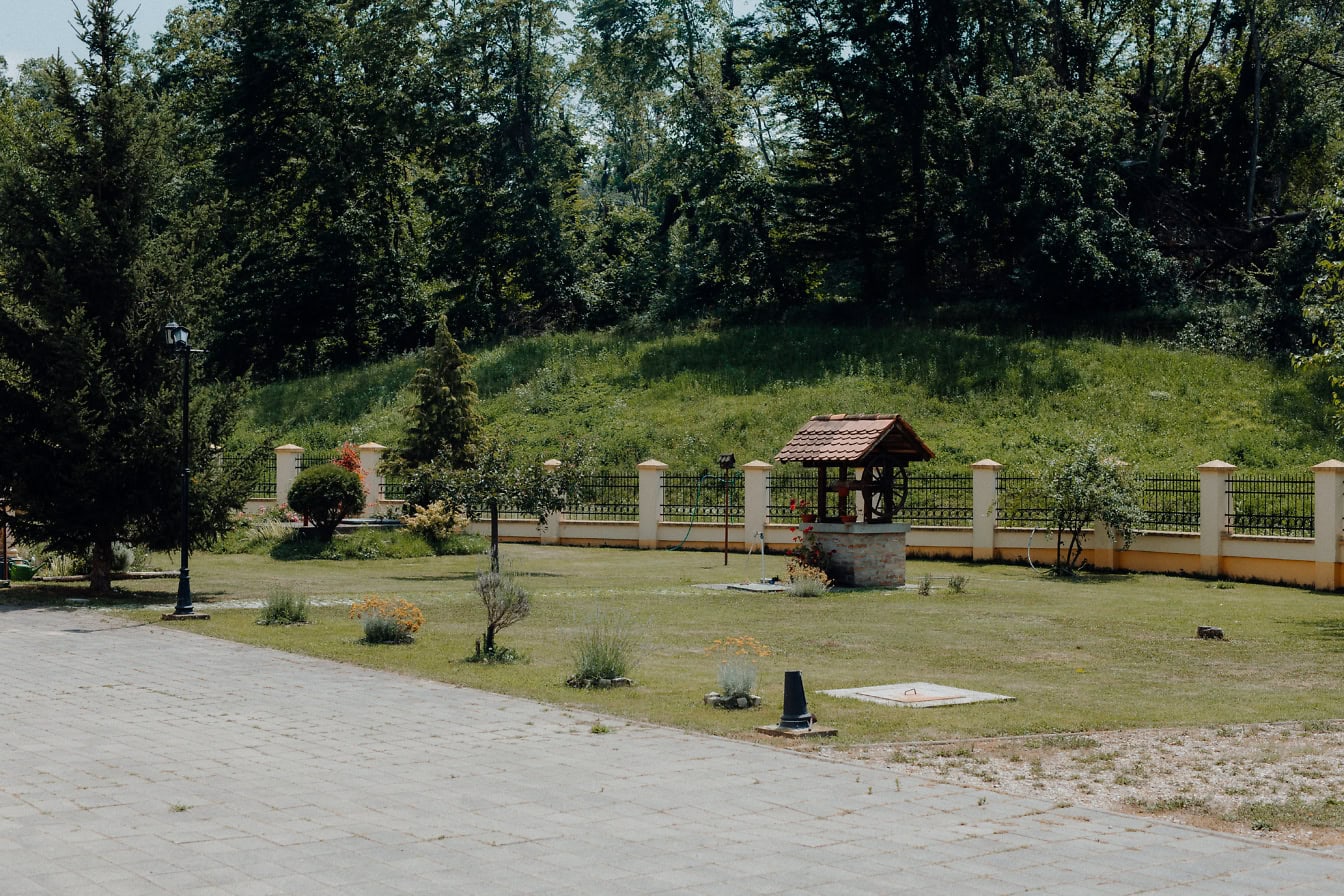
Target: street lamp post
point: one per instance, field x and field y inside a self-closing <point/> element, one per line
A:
<point x="726" y="463"/>
<point x="176" y="336"/>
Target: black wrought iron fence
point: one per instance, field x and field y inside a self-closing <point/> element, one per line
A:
<point x="698" y="497"/>
<point x="1170" y="501"/>
<point x="259" y="466"/>
<point x="605" y="496"/>
<point x="316" y="458"/>
<point x="392" y="488"/>
<point x="938" y="499"/>
<point x="1022" y="502"/>
<point x="787" y="491"/>
<point x="1272" y="505"/>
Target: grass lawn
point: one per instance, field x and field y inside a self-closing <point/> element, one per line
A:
<point x="1099" y="652"/>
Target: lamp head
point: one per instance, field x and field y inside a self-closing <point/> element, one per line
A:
<point x="727" y="461"/>
<point x="175" y="335"/>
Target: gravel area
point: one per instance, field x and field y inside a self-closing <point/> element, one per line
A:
<point x="1282" y="782"/>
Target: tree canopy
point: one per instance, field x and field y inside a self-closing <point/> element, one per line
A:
<point x="366" y="166"/>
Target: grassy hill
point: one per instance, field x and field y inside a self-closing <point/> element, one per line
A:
<point x="686" y="397"/>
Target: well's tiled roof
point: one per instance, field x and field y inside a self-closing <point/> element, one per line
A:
<point x="853" y="439"/>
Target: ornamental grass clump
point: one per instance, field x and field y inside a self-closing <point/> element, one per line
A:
<point x="387" y="622"/>
<point x="284" y="607"/>
<point x="737" y="667"/>
<point x="808" y="581"/>
<point x="605" y="650"/>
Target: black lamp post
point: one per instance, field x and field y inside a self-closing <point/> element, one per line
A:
<point x="176" y="336"/>
<point x="726" y="463"/>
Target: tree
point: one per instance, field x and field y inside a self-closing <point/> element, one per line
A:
<point x="1088" y="487"/>
<point x="94" y="259"/>
<point x="505" y="602"/>
<point x="494" y="479"/>
<point x="443" y="420"/>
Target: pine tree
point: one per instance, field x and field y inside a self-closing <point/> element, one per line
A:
<point x="444" y="420"/>
<point x="94" y="260"/>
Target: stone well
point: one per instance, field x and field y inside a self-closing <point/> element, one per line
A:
<point x="867" y="555"/>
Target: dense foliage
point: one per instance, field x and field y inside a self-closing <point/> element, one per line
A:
<point x="357" y="168"/>
<point x="97" y="251"/>
<point x="326" y="494"/>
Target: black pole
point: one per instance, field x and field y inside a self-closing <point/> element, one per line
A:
<point x="184" y="606"/>
<point x="726" y="479"/>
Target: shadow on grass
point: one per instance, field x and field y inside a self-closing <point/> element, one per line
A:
<point x="1330" y="631"/>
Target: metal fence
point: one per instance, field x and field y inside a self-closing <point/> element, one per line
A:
<point x="605" y="496"/>
<point x="263" y="485"/>
<point x="698" y="497"/>
<point x="315" y="458"/>
<point x="1272" y="505"/>
<point x="786" y="490"/>
<point x="1022" y="502"/>
<point x="1170" y="501"/>
<point x="939" y="499"/>
<point x="392" y="488"/>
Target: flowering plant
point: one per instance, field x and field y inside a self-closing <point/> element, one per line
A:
<point x="737" y="664"/>
<point x="807" y="551"/>
<point x="387" y="621"/>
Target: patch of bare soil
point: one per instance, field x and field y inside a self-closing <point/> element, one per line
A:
<point x="1283" y="782"/>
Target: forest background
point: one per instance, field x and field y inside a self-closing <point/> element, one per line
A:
<point x="340" y="174"/>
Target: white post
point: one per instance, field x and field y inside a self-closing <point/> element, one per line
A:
<point x="1329" y="503"/>
<point x="550" y="527"/>
<point x="1214" y="507"/>
<point x="287" y="459"/>
<point x="1103" y="542"/>
<point x="984" y="507"/>
<point x="370" y="461"/>
<point x="756" y="501"/>
<point x="650" y="501"/>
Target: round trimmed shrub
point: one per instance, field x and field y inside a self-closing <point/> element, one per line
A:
<point x="325" y="495"/>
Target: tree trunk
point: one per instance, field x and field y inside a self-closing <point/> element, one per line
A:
<point x="100" y="568"/>
<point x="494" y="543"/>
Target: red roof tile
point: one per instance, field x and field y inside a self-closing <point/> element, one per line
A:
<point x="854" y="439"/>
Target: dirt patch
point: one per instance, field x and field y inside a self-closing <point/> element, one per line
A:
<point x="1282" y="783"/>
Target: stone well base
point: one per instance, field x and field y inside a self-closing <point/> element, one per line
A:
<point x="866" y="555"/>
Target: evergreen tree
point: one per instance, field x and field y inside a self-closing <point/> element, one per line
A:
<point x="93" y="261"/>
<point x="443" y="421"/>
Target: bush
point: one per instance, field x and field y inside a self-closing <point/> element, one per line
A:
<point x="387" y="622"/>
<point x="737" y="664"/>
<point x="605" y="649"/>
<point x="505" y="602"/>
<point x="435" y="523"/>
<point x="325" y="495"/>
<point x="807" y="581"/>
<point x="284" y="607"/>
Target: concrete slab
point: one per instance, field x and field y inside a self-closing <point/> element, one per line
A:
<point x="918" y="695"/>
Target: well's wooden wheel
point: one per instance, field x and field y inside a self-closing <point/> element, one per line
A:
<point x="885" y="490"/>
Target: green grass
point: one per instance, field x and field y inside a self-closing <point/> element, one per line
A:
<point x="1099" y="652"/>
<point x="685" y="398"/>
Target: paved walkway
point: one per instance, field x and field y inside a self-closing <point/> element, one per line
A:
<point x="141" y="760"/>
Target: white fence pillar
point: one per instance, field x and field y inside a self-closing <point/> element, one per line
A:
<point x="371" y="462"/>
<point x="1329" y="503"/>
<point x="984" y="507"/>
<point x="550" y="526"/>
<point x="755" y="501"/>
<point x="1214" y="507"/>
<point x="287" y="459"/>
<point x="650" y="501"/>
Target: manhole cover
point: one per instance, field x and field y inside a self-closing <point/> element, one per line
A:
<point x="918" y="694"/>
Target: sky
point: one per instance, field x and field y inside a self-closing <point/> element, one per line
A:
<point x="30" y="28"/>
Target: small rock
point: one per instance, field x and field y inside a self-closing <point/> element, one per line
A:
<point x="743" y="702"/>
<point x="1210" y="633"/>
